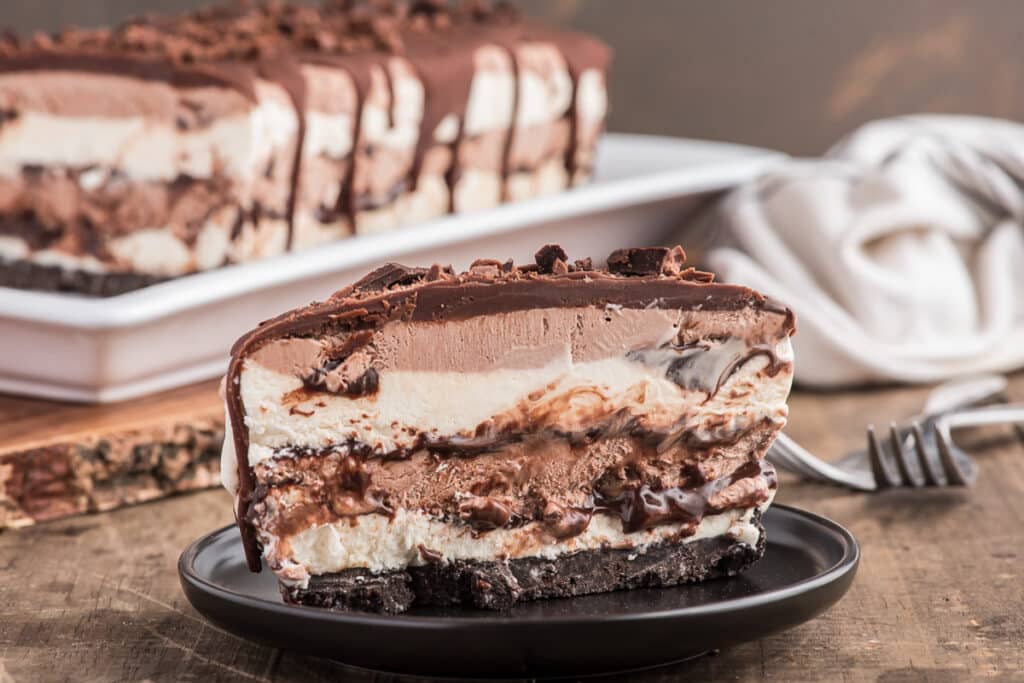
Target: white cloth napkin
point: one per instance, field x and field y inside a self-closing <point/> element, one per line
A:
<point x="901" y="251"/>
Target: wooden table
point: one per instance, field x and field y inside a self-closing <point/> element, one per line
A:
<point x="939" y="595"/>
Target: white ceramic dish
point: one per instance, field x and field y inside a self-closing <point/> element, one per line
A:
<point x="100" y="350"/>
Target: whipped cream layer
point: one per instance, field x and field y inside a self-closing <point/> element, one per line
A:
<point x="380" y="543"/>
<point x="557" y="370"/>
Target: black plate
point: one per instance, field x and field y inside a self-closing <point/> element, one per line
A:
<point x="809" y="564"/>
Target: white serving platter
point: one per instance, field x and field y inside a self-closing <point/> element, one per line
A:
<point x="73" y="348"/>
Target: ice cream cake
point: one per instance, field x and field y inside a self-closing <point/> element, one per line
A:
<point x="508" y="433"/>
<point x="177" y="144"/>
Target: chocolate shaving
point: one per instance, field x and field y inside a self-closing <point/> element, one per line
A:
<point x="259" y="30"/>
<point x="562" y="522"/>
<point x="430" y="555"/>
<point x="366" y="384"/>
<point x="322" y="379"/>
<point x="548" y="258"/>
<point x="388" y="276"/>
<point x="486" y="267"/>
<point x="647" y="261"/>
<point x="439" y="272"/>
<point x="484" y="514"/>
<point x="695" y="275"/>
<point x="645" y="507"/>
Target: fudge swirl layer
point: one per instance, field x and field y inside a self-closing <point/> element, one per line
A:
<point x="507" y="412"/>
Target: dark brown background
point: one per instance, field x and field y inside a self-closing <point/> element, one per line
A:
<point x="789" y="74"/>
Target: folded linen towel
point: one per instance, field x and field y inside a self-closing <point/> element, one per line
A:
<point x="902" y="250"/>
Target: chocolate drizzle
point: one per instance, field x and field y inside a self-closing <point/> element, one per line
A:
<point x="692" y="365"/>
<point x="565" y="522"/>
<point x="331" y="376"/>
<point x="485" y="514"/>
<point x="506" y="150"/>
<point x="644" y="507"/>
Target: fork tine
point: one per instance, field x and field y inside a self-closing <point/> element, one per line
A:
<point x="881" y="473"/>
<point x="896" y="443"/>
<point x="954" y="475"/>
<point x="930" y="477"/>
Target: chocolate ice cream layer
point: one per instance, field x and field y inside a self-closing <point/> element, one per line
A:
<point x="506" y="412"/>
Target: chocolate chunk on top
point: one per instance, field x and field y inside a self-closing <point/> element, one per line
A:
<point x="389" y="275"/>
<point x="647" y="261"/>
<point x="549" y="256"/>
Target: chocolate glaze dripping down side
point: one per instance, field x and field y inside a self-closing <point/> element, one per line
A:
<point x="284" y="70"/>
<point x="359" y="72"/>
<point x="389" y="86"/>
<point x="506" y="151"/>
<point x="581" y="53"/>
<point x="446" y="74"/>
<point x="454" y="172"/>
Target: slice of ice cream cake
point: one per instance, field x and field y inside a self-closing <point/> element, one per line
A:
<point x="508" y="433"/>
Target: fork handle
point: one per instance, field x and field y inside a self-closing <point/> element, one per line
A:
<point x="822" y="469"/>
<point x="989" y="415"/>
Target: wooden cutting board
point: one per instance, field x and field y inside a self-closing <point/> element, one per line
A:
<point x="59" y="459"/>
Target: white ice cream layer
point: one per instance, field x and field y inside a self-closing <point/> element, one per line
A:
<point x="396" y="126"/>
<point x="591" y="96"/>
<point x="491" y="99"/>
<point x="545" y="86"/>
<point x="16" y="249"/>
<point x="379" y="543"/>
<point x="448" y="404"/>
<point x="327" y="134"/>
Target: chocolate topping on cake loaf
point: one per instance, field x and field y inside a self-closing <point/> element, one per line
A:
<point x="172" y="145"/>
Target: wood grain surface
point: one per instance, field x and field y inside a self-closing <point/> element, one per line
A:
<point x="938" y="597"/>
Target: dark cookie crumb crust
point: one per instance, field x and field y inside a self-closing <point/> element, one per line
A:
<point x="498" y="585"/>
<point x="26" y="275"/>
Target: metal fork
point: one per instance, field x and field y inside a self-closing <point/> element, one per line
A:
<point x="939" y="461"/>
